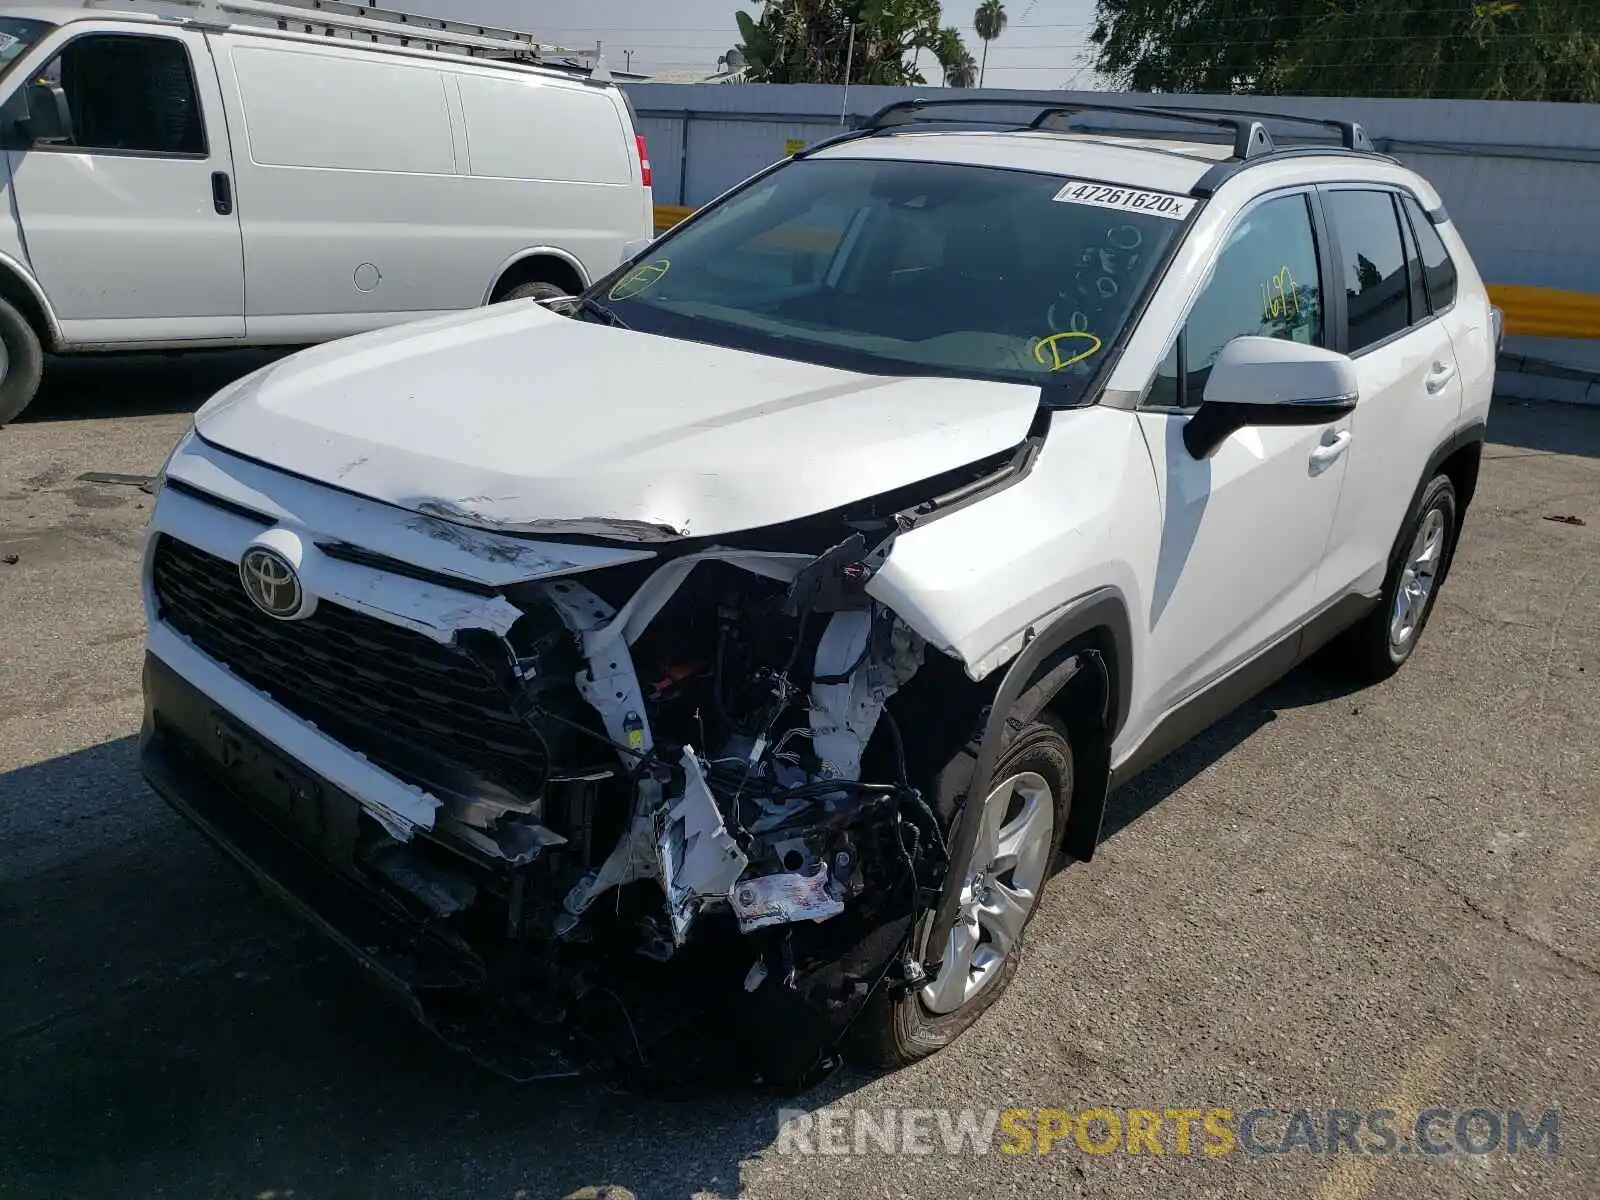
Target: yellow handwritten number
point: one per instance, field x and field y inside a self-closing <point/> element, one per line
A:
<point x="1048" y="352"/>
<point x="1280" y="295"/>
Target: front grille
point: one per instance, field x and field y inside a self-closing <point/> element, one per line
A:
<point x="386" y="692"/>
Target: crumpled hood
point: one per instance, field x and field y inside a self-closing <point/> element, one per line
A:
<point x="514" y="417"/>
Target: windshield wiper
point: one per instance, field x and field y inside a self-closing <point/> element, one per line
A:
<point x="590" y="305"/>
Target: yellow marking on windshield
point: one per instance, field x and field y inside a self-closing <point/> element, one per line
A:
<point x="640" y="280"/>
<point x="1047" y="351"/>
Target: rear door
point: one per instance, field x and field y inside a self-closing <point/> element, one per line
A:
<point x="129" y="222"/>
<point x="1409" y="378"/>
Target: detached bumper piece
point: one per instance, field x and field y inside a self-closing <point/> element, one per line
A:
<point x="297" y="835"/>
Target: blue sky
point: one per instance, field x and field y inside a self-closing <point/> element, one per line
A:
<point x="1044" y="45"/>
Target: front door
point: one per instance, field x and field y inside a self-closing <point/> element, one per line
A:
<point x="129" y="218"/>
<point x="1244" y="529"/>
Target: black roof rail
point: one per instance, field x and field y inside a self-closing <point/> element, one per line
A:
<point x="1250" y="137"/>
<point x="1352" y="135"/>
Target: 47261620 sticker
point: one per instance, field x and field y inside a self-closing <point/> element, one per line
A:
<point x="1123" y="199"/>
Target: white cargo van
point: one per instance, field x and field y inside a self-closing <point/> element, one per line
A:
<point x="177" y="177"/>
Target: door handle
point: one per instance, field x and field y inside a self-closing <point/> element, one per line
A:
<point x="1334" y="443"/>
<point x="222" y="193"/>
<point x="1441" y="374"/>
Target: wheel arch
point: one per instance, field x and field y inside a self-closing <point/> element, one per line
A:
<point x="1079" y="668"/>
<point x="19" y="288"/>
<point x="1458" y="458"/>
<point x="542" y="264"/>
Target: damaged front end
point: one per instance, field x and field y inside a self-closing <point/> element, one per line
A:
<point x="702" y="726"/>
<point x="637" y="801"/>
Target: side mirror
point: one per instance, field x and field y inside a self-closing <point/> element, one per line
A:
<point x="49" y="115"/>
<point x="1270" y="381"/>
<point x="632" y="250"/>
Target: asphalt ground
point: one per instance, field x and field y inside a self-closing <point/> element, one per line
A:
<point x="1384" y="899"/>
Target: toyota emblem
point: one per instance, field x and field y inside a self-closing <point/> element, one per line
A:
<point x="271" y="583"/>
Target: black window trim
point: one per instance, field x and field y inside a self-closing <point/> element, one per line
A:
<point x="1330" y="329"/>
<point x="1427" y="289"/>
<point x="194" y="82"/>
<point x="1395" y="191"/>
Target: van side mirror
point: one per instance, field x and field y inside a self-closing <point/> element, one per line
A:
<point x="49" y="116"/>
<point x="1270" y="381"/>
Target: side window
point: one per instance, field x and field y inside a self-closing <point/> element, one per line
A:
<point x="1438" y="270"/>
<point x="1265" y="284"/>
<point x="1372" y="269"/>
<point x="130" y="93"/>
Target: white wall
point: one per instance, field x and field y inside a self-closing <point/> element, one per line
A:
<point x="1521" y="181"/>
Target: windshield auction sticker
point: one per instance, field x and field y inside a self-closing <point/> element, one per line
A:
<point x="1103" y="195"/>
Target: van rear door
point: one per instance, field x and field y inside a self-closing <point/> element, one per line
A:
<point x="129" y="215"/>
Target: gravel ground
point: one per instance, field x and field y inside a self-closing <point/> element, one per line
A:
<point x="1380" y="899"/>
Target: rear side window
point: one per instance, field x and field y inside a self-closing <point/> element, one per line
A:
<point x="1265" y="285"/>
<point x="1438" y="270"/>
<point x="533" y="129"/>
<point x="1372" y="267"/>
<point x="129" y="95"/>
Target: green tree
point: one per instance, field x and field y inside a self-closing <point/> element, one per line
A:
<point x="959" y="67"/>
<point x="808" y="41"/>
<point x="990" y="23"/>
<point x="1472" y="49"/>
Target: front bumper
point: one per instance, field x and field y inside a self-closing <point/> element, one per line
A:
<point x="297" y="834"/>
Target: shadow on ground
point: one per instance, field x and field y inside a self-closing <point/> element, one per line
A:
<point x="89" y="387"/>
<point x="166" y="1028"/>
<point x="1541" y="427"/>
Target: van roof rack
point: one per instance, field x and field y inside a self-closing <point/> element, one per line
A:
<point x="1250" y="137"/>
<point x="385" y="26"/>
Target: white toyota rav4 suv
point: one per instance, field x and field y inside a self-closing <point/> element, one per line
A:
<point x="755" y="633"/>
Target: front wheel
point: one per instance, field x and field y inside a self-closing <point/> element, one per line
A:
<point x="537" y="290"/>
<point x="1024" y="813"/>
<point x="21" y="363"/>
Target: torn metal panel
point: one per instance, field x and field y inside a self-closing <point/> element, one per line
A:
<point x="481" y="512"/>
<point x="610" y="684"/>
<point x="863" y="658"/>
<point x="697" y="857"/>
<point x="784" y="899"/>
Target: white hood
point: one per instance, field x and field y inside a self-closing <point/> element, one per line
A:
<point x="516" y="418"/>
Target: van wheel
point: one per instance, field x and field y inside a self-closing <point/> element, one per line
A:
<point x="21" y="363"/>
<point x="537" y="290"/>
<point x="1025" y="808"/>
<point x="1383" y="641"/>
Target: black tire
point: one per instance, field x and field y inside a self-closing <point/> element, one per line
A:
<point x="24" y="366"/>
<point x="1368" y="651"/>
<point x="896" y="1029"/>
<point x="537" y="290"/>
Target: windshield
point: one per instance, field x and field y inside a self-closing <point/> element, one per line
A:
<point x="17" y="34"/>
<point x="897" y="267"/>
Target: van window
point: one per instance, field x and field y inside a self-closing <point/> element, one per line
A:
<point x="129" y="94"/>
<point x="530" y="129"/>
<point x="307" y="108"/>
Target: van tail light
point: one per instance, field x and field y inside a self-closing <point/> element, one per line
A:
<point x="644" y="158"/>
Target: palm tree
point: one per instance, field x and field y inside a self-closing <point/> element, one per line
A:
<point x="959" y="67"/>
<point x="990" y="22"/>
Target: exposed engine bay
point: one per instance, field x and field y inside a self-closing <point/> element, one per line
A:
<point x="719" y="767"/>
